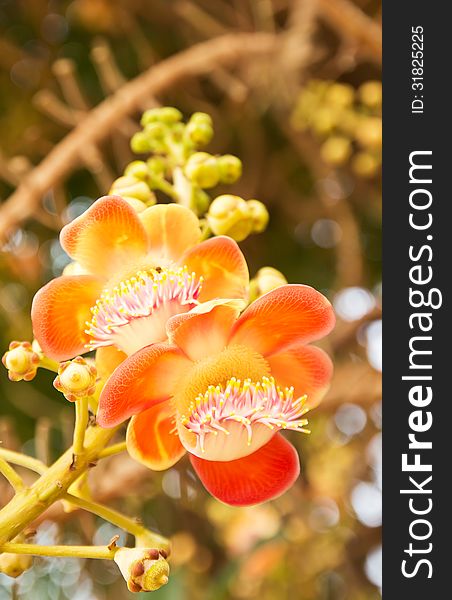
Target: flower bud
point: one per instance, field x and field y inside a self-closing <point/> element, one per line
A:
<point x="166" y="114"/>
<point x="144" y="569"/>
<point x="230" y="168"/>
<point x="129" y="187"/>
<point x="201" y="117"/>
<point x="259" y="215"/>
<point x="202" y="170"/>
<point x="14" y="565"/>
<point x="340" y="95"/>
<point x="21" y="361"/>
<point x="230" y="215"/>
<point x="370" y="94"/>
<point x="140" y="143"/>
<point x="137" y="169"/>
<point x="200" y="201"/>
<point x="266" y="280"/>
<point x="336" y="150"/>
<point x="156" y="166"/>
<point x="199" y="132"/>
<point x="76" y="379"/>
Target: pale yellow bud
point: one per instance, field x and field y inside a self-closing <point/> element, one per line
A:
<point x="130" y="187"/>
<point x="76" y="379"/>
<point x="266" y="280"/>
<point x="202" y="170"/>
<point x="230" y="215"/>
<point x="144" y="569"/>
<point x="14" y="565"/>
<point x="137" y="169"/>
<point x="21" y="361"/>
<point x="259" y="215"/>
<point x="336" y="150"/>
<point x="371" y="94"/>
<point x="230" y="168"/>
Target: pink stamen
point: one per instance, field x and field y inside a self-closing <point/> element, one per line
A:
<point x="247" y="403"/>
<point x="141" y="296"/>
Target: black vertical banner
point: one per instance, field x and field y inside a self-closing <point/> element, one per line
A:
<point x="417" y="323"/>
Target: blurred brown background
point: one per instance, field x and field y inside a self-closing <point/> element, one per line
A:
<point x="292" y="86"/>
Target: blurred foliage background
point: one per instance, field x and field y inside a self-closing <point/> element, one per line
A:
<point x="293" y="89"/>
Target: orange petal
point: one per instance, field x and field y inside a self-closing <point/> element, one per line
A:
<point x="152" y="438"/>
<point x="289" y="315"/>
<point x="105" y="237"/>
<point x="144" y="379"/>
<point x="256" y="478"/>
<point x="59" y="313"/>
<point x="171" y="230"/>
<point x="307" y="368"/>
<point x="204" y="330"/>
<point x="223" y="266"/>
<point x="107" y="359"/>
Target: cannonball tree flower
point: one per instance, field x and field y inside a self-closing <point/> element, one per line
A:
<point x="133" y="272"/>
<point x="223" y="388"/>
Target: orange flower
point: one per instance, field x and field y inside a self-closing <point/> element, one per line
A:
<point x="137" y="271"/>
<point x="227" y="384"/>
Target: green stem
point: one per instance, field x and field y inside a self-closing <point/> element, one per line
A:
<point x="113" y="449"/>
<point x="143" y="535"/>
<point x="81" y="422"/>
<point x="10" y="474"/>
<point x="22" y="460"/>
<point x="31" y="502"/>
<point x="103" y="552"/>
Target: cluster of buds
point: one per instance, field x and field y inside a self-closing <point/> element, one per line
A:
<point x="21" y="361"/>
<point x="347" y="121"/>
<point x="266" y="280"/>
<point x="144" y="569"/>
<point x="76" y="379"/>
<point x="233" y="216"/>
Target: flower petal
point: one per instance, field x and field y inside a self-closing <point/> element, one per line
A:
<point x="107" y="359"/>
<point x="105" y="237"/>
<point x="59" y="313"/>
<point x="307" y="368"/>
<point x="204" y="330"/>
<point x="258" y="477"/>
<point x="223" y="266"/>
<point x="288" y="315"/>
<point x="171" y="230"/>
<point x="146" y="378"/>
<point x="152" y="438"/>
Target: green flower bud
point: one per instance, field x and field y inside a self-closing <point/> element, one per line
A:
<point x="336" y="150"/>
<point x="140" y="143"/>
<point x="230" y="215"/>
<point x="166" y="114"/>
<point x="202" y="170"/>
<point x="201" y="117"/>
<point x="230" y="168"/>
<point x="199" y="133"/>
<point x="259" y="215"/>
<point x="201" y="201"/>
<point x="156" y="166"/>
<point x="137" y="169"/>
<point x="266" y="280"/>
<point x="155" y="131"/>
<point x="144" y="569"/>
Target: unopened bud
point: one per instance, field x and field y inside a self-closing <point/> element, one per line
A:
<point x="21" y="361"/>
<point x="266" y="280"/>
<point x="370" y="94"/>
<point x="166" y="114"/>
<point x="130" y="187"/>
<point x="336" y="150"/>
<point x="202" y="170"/>
<point x="140" y="143"/>
<point x="76" y="379"/>
<point x="230" y="215"/>
<point x="259" y="215"/>
<point x="230" y="168"/>
<point x="14" y="565"/>
<point x="144" y="569"/>
<point x="156" y="166"/>
<point x="137" y="169"/>
<point x="201" y="117"/>
<point x="199" y="132"/>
